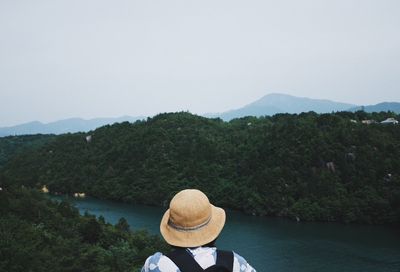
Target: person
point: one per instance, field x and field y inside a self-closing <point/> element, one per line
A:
<point x="191" y="225"/>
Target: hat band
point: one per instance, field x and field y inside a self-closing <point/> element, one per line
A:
<point x="180" y="228"/>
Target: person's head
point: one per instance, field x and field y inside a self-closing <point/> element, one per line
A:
<point x="191" y="220"/>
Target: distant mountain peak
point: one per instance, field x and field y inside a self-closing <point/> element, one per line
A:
<point x="274" y="103"/>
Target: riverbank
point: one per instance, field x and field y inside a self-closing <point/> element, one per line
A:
<point x="165" y="206"/>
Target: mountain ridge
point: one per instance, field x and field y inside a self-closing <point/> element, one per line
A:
<point x="268" y="105"/>
<point x="69" y="125"/>
<point x="275" y="103"/>
<point x="383" y="106"/>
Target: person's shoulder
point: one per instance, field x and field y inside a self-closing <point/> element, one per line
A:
<point x="159" y="263"/>
<point x="240" y="264"/>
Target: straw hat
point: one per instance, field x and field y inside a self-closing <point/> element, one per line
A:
<point x="191" y="220"/>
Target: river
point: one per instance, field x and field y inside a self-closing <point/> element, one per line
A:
<point x="275" y="244"/>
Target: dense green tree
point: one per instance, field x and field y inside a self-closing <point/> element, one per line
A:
<point x="12" y="145"/>
<point x="91" y="231"/>
<point x="122" y="225"/>
<point x="56" y="238"/>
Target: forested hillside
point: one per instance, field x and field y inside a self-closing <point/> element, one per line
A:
<point x="328" y="167"/>
<point x="40" y="235"/>
<point x="11" y="145"/>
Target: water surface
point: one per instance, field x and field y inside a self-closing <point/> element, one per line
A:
<point x="274" y="244"/>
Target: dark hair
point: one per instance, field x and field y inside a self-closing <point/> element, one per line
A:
<point x="210" y="244"/>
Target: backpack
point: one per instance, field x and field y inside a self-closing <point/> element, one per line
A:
<point x="186" y="263"/>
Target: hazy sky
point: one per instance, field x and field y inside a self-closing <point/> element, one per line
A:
<point x="98" y="58"/>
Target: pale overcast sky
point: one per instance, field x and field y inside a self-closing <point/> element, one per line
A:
<point x="104" y="58"/>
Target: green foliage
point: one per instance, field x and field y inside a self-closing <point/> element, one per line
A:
<point x="90" y="231"/>
<point x="40" y="235"/>
<point x="122" y="225"/>
<point x="12" y="145"/>
<point x="327" y="167"/>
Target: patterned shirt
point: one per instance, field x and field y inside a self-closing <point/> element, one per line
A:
<point x="204" y="256"/>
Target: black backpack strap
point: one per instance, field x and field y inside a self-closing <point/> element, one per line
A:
<point x="184" y="260"/>
<point x="225" y="259"/>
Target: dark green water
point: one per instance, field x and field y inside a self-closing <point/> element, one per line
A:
<point x="272" y="244"/>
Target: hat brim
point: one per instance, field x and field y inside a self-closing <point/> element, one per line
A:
<point x="194" y="238"/>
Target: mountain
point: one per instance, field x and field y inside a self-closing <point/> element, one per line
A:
<point x="282" y="103"/>
<point x="63" y="126"/>
<point x="385" y="106"/>
<point x="311" y="166"/>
